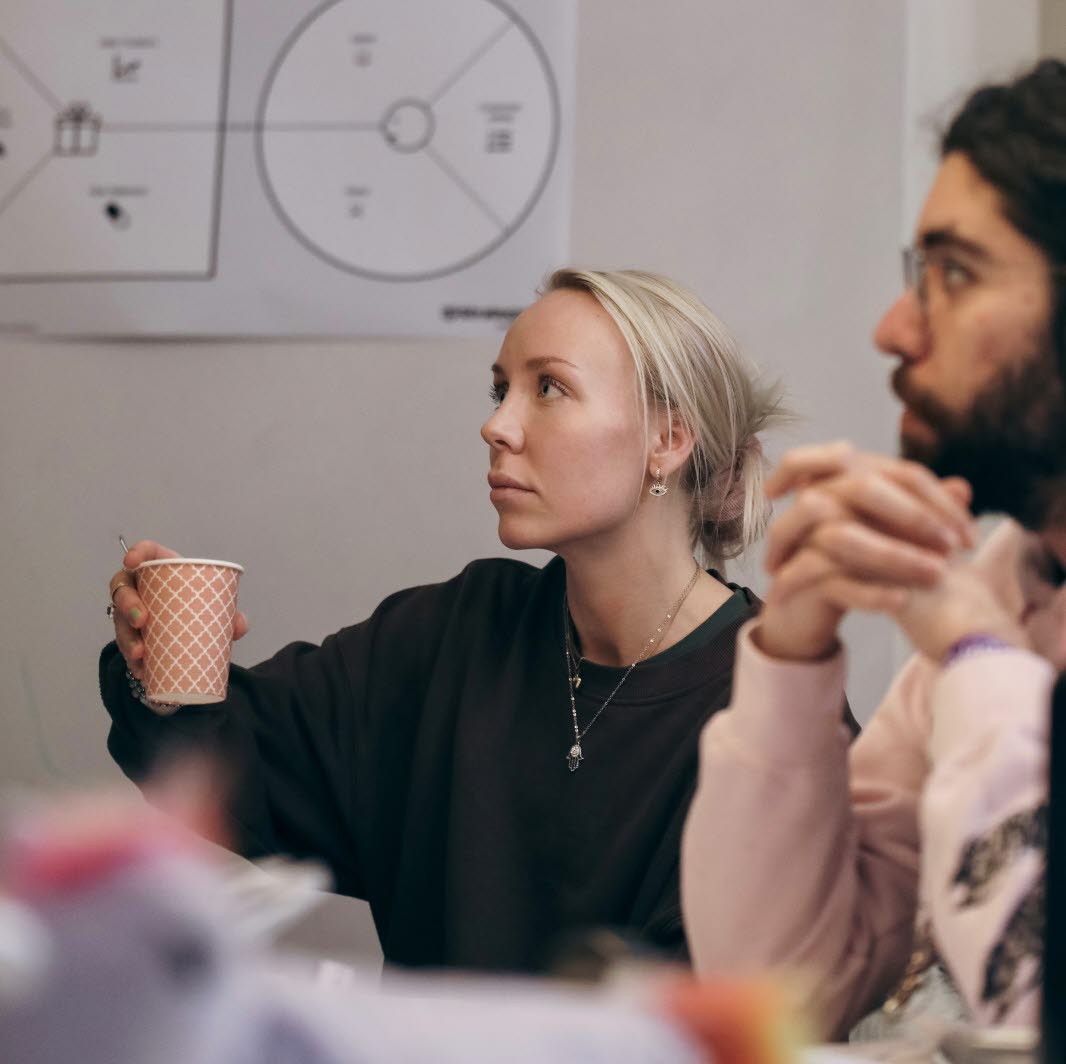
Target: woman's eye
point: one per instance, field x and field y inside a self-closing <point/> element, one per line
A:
<point x="496" y="393"/>
<point x="549" y="388"/>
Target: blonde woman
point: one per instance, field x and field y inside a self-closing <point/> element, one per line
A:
<point x="501" y="759"/>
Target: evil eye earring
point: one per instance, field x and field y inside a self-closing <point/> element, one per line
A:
<point x="658" y="488"/>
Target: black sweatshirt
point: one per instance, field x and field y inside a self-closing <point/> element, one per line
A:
<point x="422" y="755"/>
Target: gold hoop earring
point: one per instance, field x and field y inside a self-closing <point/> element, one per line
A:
<point x="658" y="488"/>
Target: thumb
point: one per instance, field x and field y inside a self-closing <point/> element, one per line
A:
<point x="146" y="550"/>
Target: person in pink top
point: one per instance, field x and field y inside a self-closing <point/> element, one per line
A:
<point x="920" y="847"/>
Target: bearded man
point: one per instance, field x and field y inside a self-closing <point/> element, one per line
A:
<point x="925" y="841"/>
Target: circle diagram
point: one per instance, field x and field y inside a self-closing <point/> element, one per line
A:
<point x="402" y="143"/>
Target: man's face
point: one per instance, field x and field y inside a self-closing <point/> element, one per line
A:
<point x="982" y="392"/>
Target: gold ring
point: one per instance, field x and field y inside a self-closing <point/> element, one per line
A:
<point x="116" y="587"/>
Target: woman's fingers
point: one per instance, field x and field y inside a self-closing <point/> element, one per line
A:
<point x="130" y="612"/>
<point x="240" y="625"/>
<point x="146" y="550"/>
<point x="130" y="645"/>
<point x="128" y="605"/>
<point x="130" y="615"/>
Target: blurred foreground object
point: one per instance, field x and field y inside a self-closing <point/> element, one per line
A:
<point x="741" y="1022"/>
<point x="123" y="940"/>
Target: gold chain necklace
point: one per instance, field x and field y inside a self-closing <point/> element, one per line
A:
<point x="575" y="756"/>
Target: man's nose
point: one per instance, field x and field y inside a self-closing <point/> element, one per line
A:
<point x="903" y="330"/>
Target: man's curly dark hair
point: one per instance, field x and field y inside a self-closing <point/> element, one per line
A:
<point x="1014" y="134"/>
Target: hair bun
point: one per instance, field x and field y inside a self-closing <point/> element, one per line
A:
<point x="734" y="508"/>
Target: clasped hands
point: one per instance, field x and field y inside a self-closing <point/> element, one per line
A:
<point x="874" y="533"/>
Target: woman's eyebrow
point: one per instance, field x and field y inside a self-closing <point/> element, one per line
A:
<point x="547" y="360"/>
<point x="535" y="364"/>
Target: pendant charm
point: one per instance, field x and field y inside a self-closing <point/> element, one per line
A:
<point x="575" y="757"/>
<point x="577" y="682"/>
<point x="658" y="489"/>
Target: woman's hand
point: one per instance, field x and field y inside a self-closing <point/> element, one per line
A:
<point x="130" y="613"/>
<point x="864" y="531"/>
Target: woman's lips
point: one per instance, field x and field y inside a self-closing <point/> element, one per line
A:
<point x="503" y="487"/>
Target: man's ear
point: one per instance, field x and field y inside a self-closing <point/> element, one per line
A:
<point x="670" y="442"/>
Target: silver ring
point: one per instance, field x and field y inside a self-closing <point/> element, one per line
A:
<point x="111" y="611"/>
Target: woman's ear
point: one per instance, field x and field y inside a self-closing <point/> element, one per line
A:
<point x="670" y="442"/>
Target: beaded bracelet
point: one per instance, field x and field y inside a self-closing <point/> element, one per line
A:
<point x="138" y="692"/>
<point x="973" y="644"/>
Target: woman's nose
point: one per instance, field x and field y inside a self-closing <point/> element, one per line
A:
<point x="503" y="430"/>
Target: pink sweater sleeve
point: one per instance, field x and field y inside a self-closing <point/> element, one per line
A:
<point x="800" y="852"/>
<point x="982" y="820"/>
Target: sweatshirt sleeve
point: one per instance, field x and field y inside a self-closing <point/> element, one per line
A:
<point x="285" y="739"/>
<point x="306" y="739"/>
<point x="801" y="853"/>
<point x="984" y="824"/>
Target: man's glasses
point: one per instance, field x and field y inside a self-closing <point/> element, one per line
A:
<point x="914" y="274"/>
<point x="951" y="271"/>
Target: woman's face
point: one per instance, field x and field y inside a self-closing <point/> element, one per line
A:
<point x="567" y="447"/>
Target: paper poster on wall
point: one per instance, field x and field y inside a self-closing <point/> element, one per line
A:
<point x="242" y="167"/>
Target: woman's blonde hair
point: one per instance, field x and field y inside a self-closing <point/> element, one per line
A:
<point x="688" y="363"/>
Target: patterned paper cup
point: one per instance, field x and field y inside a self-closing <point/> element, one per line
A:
<point x="189" y="631"/>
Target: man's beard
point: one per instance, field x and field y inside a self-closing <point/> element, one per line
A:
<point x="1010" y="445"/>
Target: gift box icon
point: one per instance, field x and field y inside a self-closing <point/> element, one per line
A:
<point x="77" y="131"/>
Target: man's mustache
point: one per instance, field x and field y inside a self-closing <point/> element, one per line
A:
<point x="928" y="409"/>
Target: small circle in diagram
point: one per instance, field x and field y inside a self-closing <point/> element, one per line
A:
<point x="390" y="151"/>
<point x="408" y="125"/>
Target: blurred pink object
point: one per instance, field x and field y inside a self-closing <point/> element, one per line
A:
<point x="123" y="940"/>
<point x="188" y="635"/>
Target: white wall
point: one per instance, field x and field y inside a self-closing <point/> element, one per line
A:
<point x="750" y="150"/>
<point x="753" y="150"/>
<point x="951" y="46"/>
<point x="1053" y="27"/>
